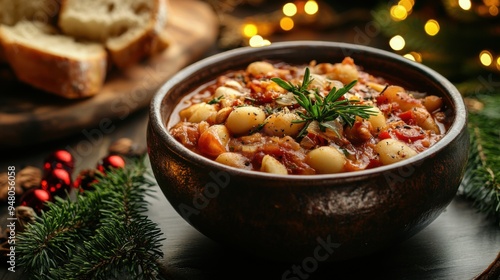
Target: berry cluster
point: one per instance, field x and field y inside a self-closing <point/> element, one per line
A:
<point x="57" y="180"/>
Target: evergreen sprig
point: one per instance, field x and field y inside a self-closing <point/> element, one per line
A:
<point x="324" y="109"/>
<point x="481" y="183"/>
<point x="101" y="234"/>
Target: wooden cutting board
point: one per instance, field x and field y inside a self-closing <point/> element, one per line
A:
<point x="29" y="116"/>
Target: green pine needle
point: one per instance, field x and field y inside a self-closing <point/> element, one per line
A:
<point x="102" y="234"/>
<point x="481" y="183"/>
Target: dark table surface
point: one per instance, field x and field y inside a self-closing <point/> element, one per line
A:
<point x="460" y="244"/>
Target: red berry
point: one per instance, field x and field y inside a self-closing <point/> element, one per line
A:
<point x="59" y="159"/>
<point x="85" y="180"/>
<point x="111" y="161"/>
<point x="57" y="182"/>
<point x="36" y="199"/>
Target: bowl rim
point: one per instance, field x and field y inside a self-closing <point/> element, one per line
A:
<point x="157" y="123"/>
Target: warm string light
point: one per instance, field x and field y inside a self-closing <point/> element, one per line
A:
<point x="486" y="58"/>
<point x="404" y="8"/>
<point x="488" y="8"/>
<point x="255" y="32"/>
<point x="286" y="23"/>
<point x="431" y="27"/>
<point x="258" y="41"/>
<point x="415" y="56"/>
<point x="289" y="9"/>
<point x="465" y="4"/>
<point x="398" y="12"/>
<point x="311" y="7"/>
<point x="397" y="42"/>
<point x="249" y="30"/>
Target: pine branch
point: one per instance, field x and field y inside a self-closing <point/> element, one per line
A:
<point x="49" y="242"/>
<point x="481" y="183"/>
<point x="103" y="234"/>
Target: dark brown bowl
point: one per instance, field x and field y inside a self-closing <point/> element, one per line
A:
<point x="290" y="218"/>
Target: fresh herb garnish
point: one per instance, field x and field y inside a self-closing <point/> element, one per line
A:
<point x="215" y="100"/>
<point x="324" y="109"/>
<point x="258" y="128"/>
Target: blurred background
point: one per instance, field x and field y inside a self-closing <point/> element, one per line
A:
<point x="458" y="38"/>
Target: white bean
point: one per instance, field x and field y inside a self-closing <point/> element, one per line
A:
<point x="259" y="68"/>
<point x="399" y="95"/>
<point x="272" y="165"/>
<point x="392" y="150"/>
<point x="425" y="120"/>
<point x="432" y="103"/>
<point x="243" y="119"/>
<point x="345" y="73"/>
<point x="326" y="160"/>
<point x="234" y="160"/>
<point x="282" y="123"/>
<point x="234" y="84"/>
<point x="378" y="121"/>
<point x="222" y="115"/>
<point x="227" y="92"/>
<point x="197" y="112"/>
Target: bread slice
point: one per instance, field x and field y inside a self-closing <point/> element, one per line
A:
<point x="8" y="14"/>
<point x="45" y="59"/>
<point x="130" y="29"/>
<point x="13" y="11"/>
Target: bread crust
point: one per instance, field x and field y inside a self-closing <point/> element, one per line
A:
<point x="66" y="77"/>
<point x="148" y="42"/>
<point x="74" y="78"/>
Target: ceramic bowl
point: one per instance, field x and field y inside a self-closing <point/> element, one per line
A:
<point x="327" y="217"/>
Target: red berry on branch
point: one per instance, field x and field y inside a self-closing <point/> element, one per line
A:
<point x="57" y="182"/>
<point x="59" y="159"/>
<point x="36" y="199"/>
<point x="111" y="161"/>
<point x="85" y="180"/>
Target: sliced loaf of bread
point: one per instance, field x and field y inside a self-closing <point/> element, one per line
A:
<point x="129" y="29"/>
<point x="13" y="11"/>
<point x="56" y="63"/>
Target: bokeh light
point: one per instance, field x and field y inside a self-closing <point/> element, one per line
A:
<point x="258" y="41"/>
<point x="431" y="27"/>
<point x="486" y="58"/>
<point x="398" y="12"/>
<point x="311" y="7"/>
<point x="409" y="56"/>
<point x="415" y="56"/>
<point x="287" y="23"/>
<point x="397" y="43"/>
<point x="465" y="4"/>
<point x="289" y="9"/>
<point x="493" y="10"/>
<point x="249" y="30"/>
<point x="407" y="4"/>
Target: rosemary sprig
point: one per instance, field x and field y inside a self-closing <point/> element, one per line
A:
<point x="324" y="109"/>
<point x="215" y="100"/>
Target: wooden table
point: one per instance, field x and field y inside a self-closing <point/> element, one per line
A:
<point x="460" y="244"/>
